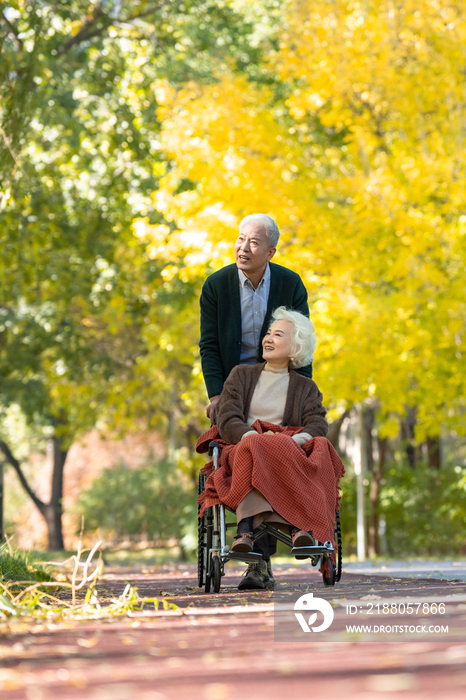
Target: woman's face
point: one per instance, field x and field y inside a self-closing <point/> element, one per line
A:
<point x="277" y="343"/>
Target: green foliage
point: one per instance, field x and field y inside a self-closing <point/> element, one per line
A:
<point x="425" y="510"/>
<point x="45" y="45"/>
<point x="19" y="566"/>
<point x="87" y="319"/>
<point x="152" y="500"/>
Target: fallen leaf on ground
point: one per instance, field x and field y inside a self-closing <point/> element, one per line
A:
<point x="87" y="643"/>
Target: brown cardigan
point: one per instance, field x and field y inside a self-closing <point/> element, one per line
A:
<point x="303" y="408"/>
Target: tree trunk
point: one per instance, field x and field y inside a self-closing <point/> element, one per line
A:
<point x="368" y="417"/>
<point x="433" y="452"/>
<point x="407" y="436"/>
<point x="1" y="502"/>
<point x="54" y="528"/>
<point x="334" y="430"/>
<point x="367" y="446"/>
<point x="54" y="511"/>
<point x="374" y="492"/>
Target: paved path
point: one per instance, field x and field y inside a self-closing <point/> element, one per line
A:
<point x="417" y="568"/>
<point x="221" y="647"/>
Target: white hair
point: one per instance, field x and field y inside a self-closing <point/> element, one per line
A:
<point x="271" y="228"/>
<point x="303" y="340"/>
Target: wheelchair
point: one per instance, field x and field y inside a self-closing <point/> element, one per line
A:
<point x="213" y="552"/>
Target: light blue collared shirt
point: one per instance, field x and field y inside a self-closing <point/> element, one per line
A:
<point x="253" y="310"/>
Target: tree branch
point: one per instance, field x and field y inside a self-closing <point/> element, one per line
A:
<point x="146" y="13"/>
<point x="86" y="37"/>
<point x="81" y="35"/>
<point x="17" y="467"/>
<point x="87" y="32"/>
<point x="14" y="33"/>
<point x="11" y="152"/>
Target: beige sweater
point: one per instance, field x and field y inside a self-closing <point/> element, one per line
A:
<point x="269" y="397"/>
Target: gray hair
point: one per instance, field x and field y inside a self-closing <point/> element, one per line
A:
<point x="303" y="340"/>
<point x="271" y="228"/>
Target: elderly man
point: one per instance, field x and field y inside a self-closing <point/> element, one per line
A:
<point x="236" y="308"/>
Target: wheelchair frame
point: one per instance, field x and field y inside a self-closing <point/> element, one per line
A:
<point x="213" y="552"/>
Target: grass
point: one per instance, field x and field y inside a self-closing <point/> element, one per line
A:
<point x="20" y="566"/>
<point x="29" y="593"/>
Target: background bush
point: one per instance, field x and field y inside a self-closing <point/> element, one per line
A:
<point x="154" y="501"/>
<point x="424" y="511"/>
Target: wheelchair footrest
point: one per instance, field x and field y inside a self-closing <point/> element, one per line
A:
<point x="245" y="556"/>
<point x="310" y="551"/>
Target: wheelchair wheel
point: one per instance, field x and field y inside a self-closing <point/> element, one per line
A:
<point x="200" y="554"/>
<point x="329" y="580"/>
<point x="215" y="573"/>
<point x="339" y="546"/>
<point x="209" y="526"/>
<point x="201" y="532"/>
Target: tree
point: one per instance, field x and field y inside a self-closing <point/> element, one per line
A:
<point x="357" y="150"/>
<point x="93" y="325"/>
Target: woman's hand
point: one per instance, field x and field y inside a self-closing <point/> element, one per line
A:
<point x="301" y="438"/>
<point x="254" y="432"/>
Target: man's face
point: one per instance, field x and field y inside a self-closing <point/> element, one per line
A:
<point x="252" y="250"/>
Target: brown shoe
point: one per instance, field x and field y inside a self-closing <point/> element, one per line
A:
<point x="301" y="538"/>
<point x="243" y="543"/>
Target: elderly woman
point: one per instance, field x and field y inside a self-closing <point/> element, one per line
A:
<point x="276" y="465"/>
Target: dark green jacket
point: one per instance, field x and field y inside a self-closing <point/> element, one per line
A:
<point x="220" y="342"/>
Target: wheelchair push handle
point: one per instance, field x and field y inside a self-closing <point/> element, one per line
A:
<point x="212" y="446"/>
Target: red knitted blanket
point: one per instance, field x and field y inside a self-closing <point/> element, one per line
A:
<point x="300" y="483"/>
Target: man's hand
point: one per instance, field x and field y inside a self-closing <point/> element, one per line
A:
<point x="211" y="407"/>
